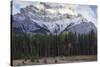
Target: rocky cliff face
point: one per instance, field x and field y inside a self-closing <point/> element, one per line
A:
<point x="50" y="18"/>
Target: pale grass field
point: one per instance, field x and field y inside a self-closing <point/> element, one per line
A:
<point x="55" y="60"/>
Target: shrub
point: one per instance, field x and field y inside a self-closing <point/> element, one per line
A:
<point x="45" y="61"/>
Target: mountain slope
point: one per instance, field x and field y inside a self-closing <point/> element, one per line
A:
<point x="37" y="19"/>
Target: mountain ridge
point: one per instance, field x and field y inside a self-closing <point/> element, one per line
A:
<point x="32" y="19"/>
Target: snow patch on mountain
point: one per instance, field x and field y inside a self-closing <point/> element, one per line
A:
<point x="53" y="17"/>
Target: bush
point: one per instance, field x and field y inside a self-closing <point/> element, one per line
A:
<point x="56" y="61"/>
<point x="45" y="61"/>
<point x="32" y="60"/>
<point x="37" y="60"/>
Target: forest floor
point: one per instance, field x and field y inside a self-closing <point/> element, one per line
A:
<point x="55" y="60"/>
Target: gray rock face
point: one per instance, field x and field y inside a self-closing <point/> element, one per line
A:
<point x="35" y="20"/>
<point x="82" y="28"/>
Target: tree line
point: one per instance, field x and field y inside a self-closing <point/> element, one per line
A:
<point x="25" y="45"/>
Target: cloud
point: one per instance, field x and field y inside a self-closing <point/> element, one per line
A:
<point x="17" y="4"/>
<point x="15" y="10"/>
<point x="88" y="13"/>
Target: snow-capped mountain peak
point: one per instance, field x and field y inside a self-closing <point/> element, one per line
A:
<point x="53" y="18"/>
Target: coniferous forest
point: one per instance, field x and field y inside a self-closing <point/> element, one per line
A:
<point x="33" y="46"/>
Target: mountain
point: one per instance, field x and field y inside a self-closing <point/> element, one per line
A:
<point x="44" y="19"/>
<point x="82" y="28"/>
